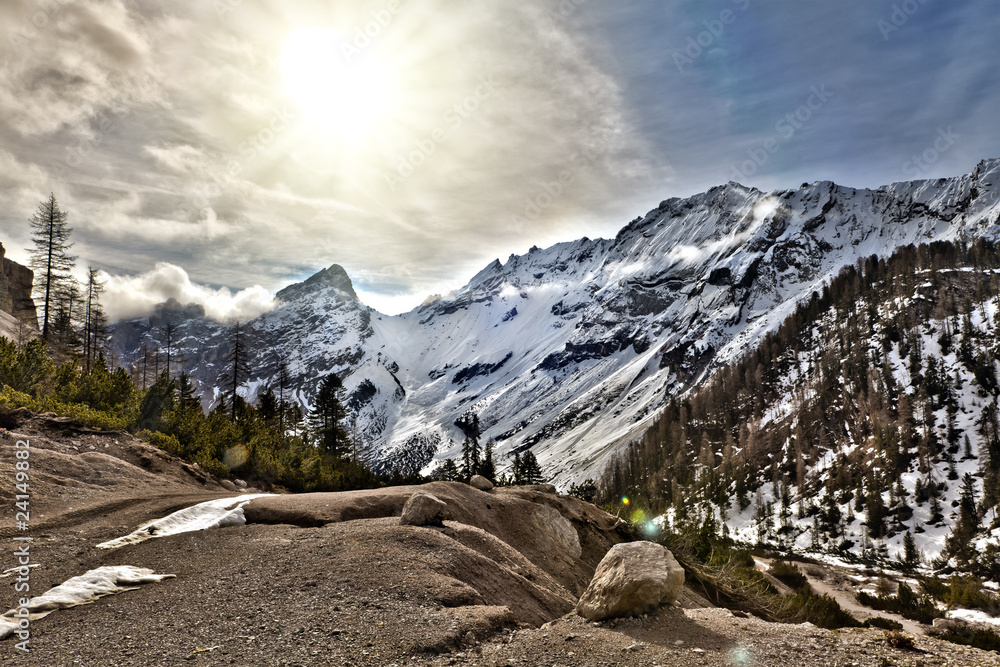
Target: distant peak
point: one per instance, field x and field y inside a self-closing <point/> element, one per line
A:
<point x="334" y="276"/>
<point x="173" y="310"/>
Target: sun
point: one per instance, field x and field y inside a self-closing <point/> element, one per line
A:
<point x="346" y="93"/>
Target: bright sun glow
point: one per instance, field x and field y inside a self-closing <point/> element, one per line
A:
<point x="346" y="93"/>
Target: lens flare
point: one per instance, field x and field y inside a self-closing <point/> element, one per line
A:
<point x="235" y="456"/>
<point x="625" y="500"/>
<point x="741" y="656"/>
<point x="650" y="530"/>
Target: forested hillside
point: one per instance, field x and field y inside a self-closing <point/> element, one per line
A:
<point x="867" y="425"/>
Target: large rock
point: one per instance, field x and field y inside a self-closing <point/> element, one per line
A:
<point x="481" y="483"/>
<point x="633" y="578"/>
<point x="15" y="296"/>
<point x="423" y="509"/>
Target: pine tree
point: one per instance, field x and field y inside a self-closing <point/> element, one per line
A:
<point x="960" y="541"/>
<point x="876" y="513"/>
<point x="95" y="321"/>
<point x="186" y="400"/>
<point x="50" y="257"/>
<point x="531" y="472"/>
<point x="267" y="406"/>
<point x="170" y="329"/>
<point x="471" y="456"/>
<point x="327" y="417"/>
<point x="69" y="313"/>
<point x="158" y="401"/>
<point x="238" y="368"/>
<point x="448" y="472"/>
<point x="488" y="467"/>
<point x="911" y="556"/>
<point x="283" y="383"/>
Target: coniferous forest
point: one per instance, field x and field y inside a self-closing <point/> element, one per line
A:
<point x="866" y="426"/>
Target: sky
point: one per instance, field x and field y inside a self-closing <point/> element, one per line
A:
<point x="219" y="150"/>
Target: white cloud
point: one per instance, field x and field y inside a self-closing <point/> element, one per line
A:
<point x="134" y="296"/>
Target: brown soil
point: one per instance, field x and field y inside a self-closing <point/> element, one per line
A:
<point x="333" y="579"/>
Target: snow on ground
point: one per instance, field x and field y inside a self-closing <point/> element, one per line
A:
<point x="211" y="514"/>
<point x="930" y="539"/>
<point x="973" y="616"/>
<point x="84" y="589"/>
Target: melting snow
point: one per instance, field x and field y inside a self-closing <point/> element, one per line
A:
<point x="973" y="616"/>
<point x="83" y="589"/>
<point x="211" y="514"/>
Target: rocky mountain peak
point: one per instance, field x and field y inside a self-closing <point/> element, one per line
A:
<point x="334" y="277"/>
<point x="173" y="310"/>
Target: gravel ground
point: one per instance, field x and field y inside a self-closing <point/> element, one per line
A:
<point x="333" y="579"/>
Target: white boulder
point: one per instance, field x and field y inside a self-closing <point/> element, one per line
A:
<point x="481" y="483"/>
<point x="423" y="509"/>
<point x="633" y="578"/>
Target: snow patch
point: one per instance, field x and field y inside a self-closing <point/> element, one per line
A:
<point x="211" y="514"/>
<point x="84" y="589"/>
<point x="973" y="616"/>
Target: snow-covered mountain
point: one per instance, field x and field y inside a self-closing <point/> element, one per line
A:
<point x="571" y="349"/>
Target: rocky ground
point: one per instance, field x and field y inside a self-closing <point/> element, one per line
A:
<point x="334" y="579"/>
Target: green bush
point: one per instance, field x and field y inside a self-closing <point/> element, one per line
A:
<point x="167" y="443"/>
<point x="788" y="574"/>
<point x="905" y="603"/>
<point x="883" y="623"/>
<point x="987" y="640"/>
<point x="820" y="610"/>
<point x="84" y="414"/>
<point x="246" y="442"/>
<point x="967" y="593"/>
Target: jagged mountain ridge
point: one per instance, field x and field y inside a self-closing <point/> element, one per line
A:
<point x="570" y="350"/>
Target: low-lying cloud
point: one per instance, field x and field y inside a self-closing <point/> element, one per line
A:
<point x="134" y="296"/>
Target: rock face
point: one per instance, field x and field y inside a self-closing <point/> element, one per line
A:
<point x="15" y="291"/>
<point x="633" y="578"/>
<point x="423" y="509"/>
<point x="481" y="483"/>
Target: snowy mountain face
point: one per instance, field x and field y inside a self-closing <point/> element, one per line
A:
<point x="571" y="350"/>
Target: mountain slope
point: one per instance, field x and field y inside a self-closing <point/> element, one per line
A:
<point x="866" y="426"/>
<point x="570" y="350"/>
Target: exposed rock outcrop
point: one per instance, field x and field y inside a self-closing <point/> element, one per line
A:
<point x="15" y="295"/>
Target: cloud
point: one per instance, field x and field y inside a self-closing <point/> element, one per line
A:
<point x="165" y="130"/>
<point x="64" y="62"/>
<point x="134" y="296"/>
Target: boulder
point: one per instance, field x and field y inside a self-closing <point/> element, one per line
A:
<point x="423" y="509"/>
<point x="481" y="483"/>
<point x="227" y="485"/>
<point x="633" y="578"/>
